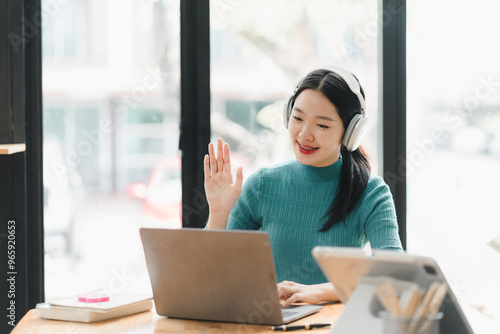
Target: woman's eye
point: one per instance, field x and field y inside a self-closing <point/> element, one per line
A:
<point x="297" y="118"/>
<point x="323" y="126"/>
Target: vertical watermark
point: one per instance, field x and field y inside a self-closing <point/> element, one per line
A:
<point x="11" y="273"/>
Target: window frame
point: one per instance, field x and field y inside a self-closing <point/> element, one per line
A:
<point x="394" y="105"/>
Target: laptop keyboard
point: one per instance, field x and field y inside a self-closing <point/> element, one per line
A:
<point x="288" y="313"/>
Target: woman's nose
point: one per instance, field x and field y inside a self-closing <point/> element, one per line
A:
<point x="306" y="133"/>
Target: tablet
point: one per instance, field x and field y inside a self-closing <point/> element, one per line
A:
<point x="344" y="267"/>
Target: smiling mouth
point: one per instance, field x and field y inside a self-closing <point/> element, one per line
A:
<point x="306" y="149"/>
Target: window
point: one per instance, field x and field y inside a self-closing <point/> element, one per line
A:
<point x="66" y="31"/>
<point x="258" y="55"/>
<point x="111" y="119"/>
<point x="453" y="143"/>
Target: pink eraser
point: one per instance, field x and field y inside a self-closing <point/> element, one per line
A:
<point x="93" y="298"/>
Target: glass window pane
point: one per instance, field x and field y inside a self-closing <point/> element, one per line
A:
<point x="258" y="55"/>
<point x="453" y="152"/>
<point x="111" y="74"/>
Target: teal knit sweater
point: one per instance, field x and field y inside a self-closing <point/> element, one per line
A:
<point x="288" y="201"/>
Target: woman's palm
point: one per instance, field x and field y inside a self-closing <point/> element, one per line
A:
<point x="220" y="189"/>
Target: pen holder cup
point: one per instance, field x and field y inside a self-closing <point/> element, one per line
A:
<point x="400" y="325"/>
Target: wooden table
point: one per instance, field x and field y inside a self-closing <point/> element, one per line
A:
<point x="150" y="322"/>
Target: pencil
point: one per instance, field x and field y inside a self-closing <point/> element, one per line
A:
<point x="411" y="302"/>
<point x="388" y="297"/>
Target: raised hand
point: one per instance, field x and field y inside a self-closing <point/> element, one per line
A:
<point x="220" y="189"/>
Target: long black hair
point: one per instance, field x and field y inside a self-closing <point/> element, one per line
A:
<point x="356" y="169"/>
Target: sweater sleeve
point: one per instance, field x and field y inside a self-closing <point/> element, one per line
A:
<point x="245" y="213"/>
<point x="379" y="214"/>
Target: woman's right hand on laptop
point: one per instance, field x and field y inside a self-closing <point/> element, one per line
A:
<point x="220" y="189"/>
<point x="291" y="292"/>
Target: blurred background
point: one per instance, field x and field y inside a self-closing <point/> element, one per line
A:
<point x="111" y="75"/>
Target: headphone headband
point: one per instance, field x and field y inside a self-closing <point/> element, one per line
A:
<point x="353" y="84"/>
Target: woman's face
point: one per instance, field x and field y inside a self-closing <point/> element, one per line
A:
<point x="316" y="129"/>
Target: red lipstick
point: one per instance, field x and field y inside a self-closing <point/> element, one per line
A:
<point x="306" y="149"/>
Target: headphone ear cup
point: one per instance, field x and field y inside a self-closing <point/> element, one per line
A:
<point x="286" y="110"/>
<point x="355" y="132"/>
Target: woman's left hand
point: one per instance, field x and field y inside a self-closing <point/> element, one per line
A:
<point x="292" y="292"/>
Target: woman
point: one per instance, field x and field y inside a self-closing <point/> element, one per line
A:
<point x="324" y="197"/>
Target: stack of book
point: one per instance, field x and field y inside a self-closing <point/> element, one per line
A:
<point x="94" y="306"/>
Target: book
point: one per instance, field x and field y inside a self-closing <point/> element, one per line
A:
<point x="71" y="309"/>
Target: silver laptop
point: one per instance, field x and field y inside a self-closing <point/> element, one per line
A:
<point x="216" y="275"/>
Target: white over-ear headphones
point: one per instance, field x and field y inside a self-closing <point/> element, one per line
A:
<point x="356" y="130"/>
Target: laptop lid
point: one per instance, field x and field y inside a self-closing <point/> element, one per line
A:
<point x="216" y="275"/>
<point x="345" y="266"/>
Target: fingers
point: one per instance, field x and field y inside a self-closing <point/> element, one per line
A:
<point x="221" y="161"/>
<point x="238" y="184"/>
<point x="295" y="298"/>
<point x="290" y="292"/>
<point x="290" y="296"/>
<point x="227" y="158"/>
<point x="285" y="287"/>
<point x="220" y="157"/>
<point x="211" y="152"/>
<point x="206" y="167"/>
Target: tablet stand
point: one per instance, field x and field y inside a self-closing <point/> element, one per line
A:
<point x="361" y="310"/>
